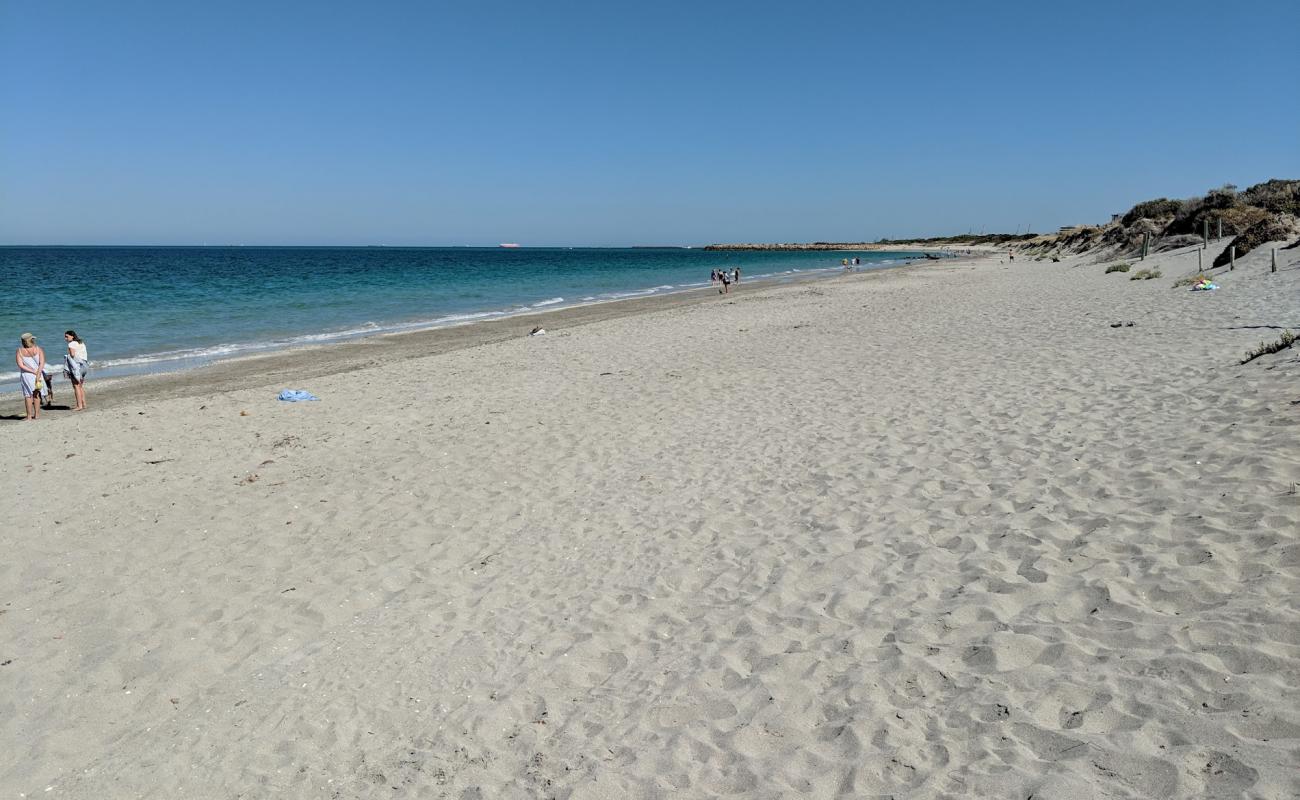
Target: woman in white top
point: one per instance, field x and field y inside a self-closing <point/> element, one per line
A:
<point x="75" y="366"/>
<point x="31" y="363"/>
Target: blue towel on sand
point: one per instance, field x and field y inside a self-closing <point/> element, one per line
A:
<point x="296" y="396"/>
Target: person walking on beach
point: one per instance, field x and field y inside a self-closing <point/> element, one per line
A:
<point x="726" y="282"/>
<point x="31" y="363"/>
<point x="76" y="364"/>
<point x="737" y="276"/>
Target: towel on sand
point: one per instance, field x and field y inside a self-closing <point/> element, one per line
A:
<point x="296" y="396"/>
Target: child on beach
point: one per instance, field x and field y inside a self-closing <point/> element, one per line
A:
<point x="47" y="388"/>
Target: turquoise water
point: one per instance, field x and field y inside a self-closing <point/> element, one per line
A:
<point x="163" y="308"/>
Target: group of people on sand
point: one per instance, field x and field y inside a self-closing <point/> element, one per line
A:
<point x="726" y="277"/>
<point x="35" y="376"/>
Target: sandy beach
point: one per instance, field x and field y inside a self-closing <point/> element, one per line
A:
<point x="936" y="531"/>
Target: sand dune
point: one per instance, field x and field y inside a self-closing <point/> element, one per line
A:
<point x="938" y="532"/>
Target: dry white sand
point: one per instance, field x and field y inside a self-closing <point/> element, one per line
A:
<point x="941" y="532"/>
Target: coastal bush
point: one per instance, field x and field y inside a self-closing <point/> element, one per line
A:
<point x="1272" y="229"/>
<point x="1267" y="348"/>
<point x="1239" y="219"/>
<point x="1117" y="268"/>
<point x="1234" y="220"/>
<point x="1198" y="210"/>
<point x="1278" y="196"/>
<point x="1164" y="224"/>
<point x="1118" y="240"/>
<point x="969" y="238"/>
<point x="1188" y="280"/>
<point x="1152" y="209"/>
<point x="1084" y="237"/>
<point x="1144" y="275"/>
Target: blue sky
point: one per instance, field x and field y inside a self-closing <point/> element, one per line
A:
<point x="410" y="123"/>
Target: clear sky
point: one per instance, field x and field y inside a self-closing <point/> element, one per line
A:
<point x="608" y="123"/>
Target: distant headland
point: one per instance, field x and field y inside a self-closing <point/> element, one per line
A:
<point x="886" y="244"/>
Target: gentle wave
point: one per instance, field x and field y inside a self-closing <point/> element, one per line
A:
<point x="190" y="357"/>
<point x="214" y="352"/>
<point x="623" y="295"/>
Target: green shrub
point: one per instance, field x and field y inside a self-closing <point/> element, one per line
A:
<point x="1144" y="275"/>
<point x="1238" y="220"/>
<point x="1278" y="196"/>
<point x="1199" y="210"/>
<point x="1153" y="209"/>
<point x="1265" y="348"/>
<point x="1117" y="268"/>
<point x="1188" y="280"/>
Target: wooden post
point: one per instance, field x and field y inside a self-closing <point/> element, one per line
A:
<point x="1200" y="260"/>
<point x="1205" y="231"/>
<point x="1146" y="243"/>
<point x="1218" y="234"/>
<point x="1232" y="258"/>
<point x="1274" y="269"/>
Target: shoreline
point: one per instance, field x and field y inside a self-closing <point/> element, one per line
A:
<point x="329" y="358"/>
<point x="194" y="355"/>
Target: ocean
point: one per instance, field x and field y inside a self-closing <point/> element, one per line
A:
<point x="145" y="309"/>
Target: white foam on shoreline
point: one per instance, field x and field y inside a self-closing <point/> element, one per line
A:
<point x="189" y="358"/>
